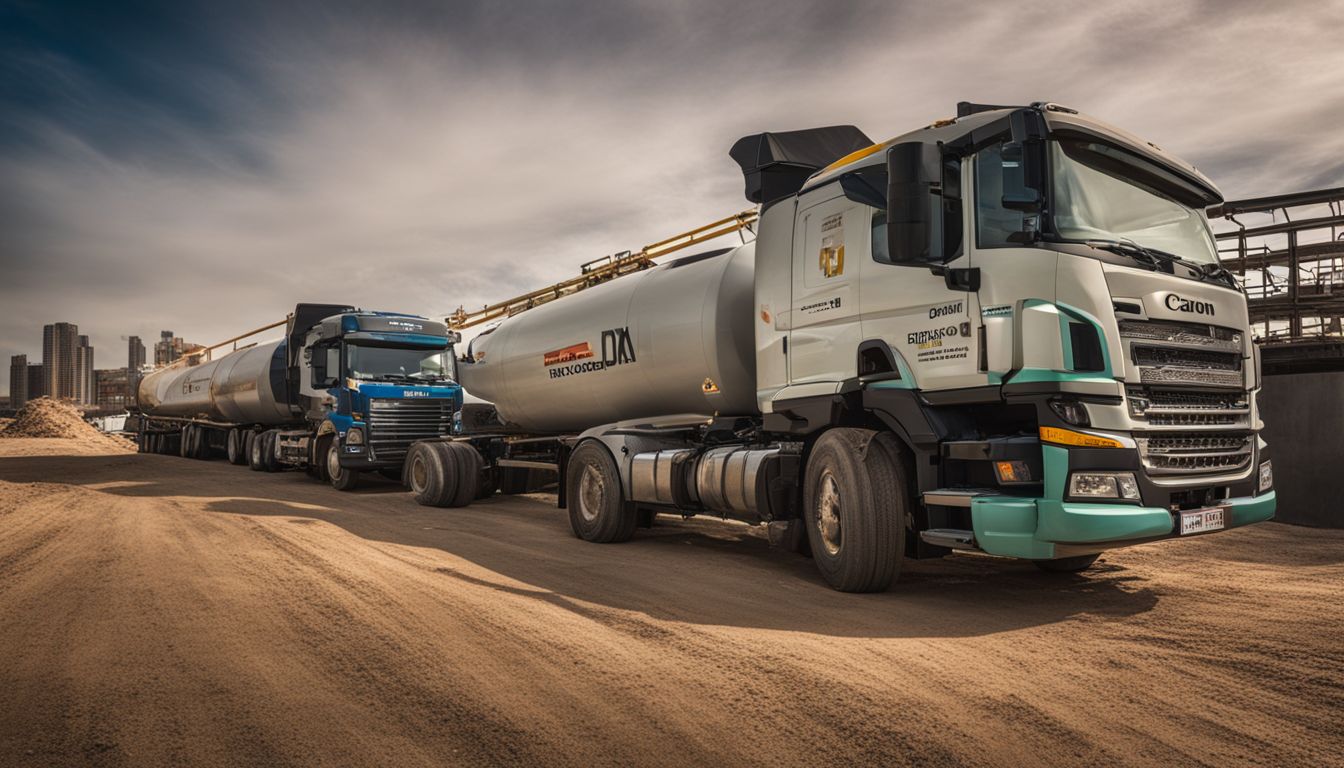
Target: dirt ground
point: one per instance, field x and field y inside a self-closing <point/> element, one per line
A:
<point x="158" y="610"/>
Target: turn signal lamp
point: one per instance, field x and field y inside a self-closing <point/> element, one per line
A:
<point x="1083" y="440"/>
<point x="1010" y="472"/>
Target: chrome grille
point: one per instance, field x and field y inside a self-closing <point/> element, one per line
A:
<point x="1181" y="333"/>
<point x="1194" y="452"/>
<point x="394" y="424"/>
<point x="1190" y="376"/>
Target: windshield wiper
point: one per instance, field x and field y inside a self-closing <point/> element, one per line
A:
<point x="1206" y="271"/>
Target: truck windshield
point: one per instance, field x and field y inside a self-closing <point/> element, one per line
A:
<point x="370" y="363"/>
<point x="1093" y="200"/>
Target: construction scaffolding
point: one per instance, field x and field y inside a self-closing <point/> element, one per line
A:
<point x="1288" y="253"/>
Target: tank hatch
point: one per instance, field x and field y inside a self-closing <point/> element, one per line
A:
<point x="778" y="164"/>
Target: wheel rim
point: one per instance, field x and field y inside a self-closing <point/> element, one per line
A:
<point x="828" y="514"/>
<point x="333" y="462"/>
<point x="591" y="492"/>
<point x="419" y="474"/>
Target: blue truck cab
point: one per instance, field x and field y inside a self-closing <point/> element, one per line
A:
<point x="371" y="384"/>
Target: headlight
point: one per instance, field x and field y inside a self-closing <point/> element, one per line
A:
<point x="355" y="436"/>
<point x="1266" y="477"/>
<point x="1108" y="485"/>
<point x="1070" y="410"/>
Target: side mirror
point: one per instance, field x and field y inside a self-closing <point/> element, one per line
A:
<point x="914" y="176"/>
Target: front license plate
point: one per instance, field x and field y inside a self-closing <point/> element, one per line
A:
<point x="1202" y="521"/>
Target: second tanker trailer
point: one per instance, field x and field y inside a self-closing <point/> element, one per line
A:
<point x="1006" y="332"/>
<point x="344" y="392"/>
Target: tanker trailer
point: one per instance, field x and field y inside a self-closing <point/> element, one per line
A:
<point x="1007" y="332"/>
<point x="345" y="391"/>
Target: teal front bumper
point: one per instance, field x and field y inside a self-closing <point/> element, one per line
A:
<point x="1042" y="529"/>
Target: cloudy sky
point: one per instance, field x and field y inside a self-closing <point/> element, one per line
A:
<point x="201" y="167"/>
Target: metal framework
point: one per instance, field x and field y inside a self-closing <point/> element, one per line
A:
<point x="601" y="270"/>
<point x="1292" y="269"/>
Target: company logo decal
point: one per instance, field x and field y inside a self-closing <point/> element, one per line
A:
<point x="568" y="354"/>
<point x="618" y="348"/>
<point x="831" y="260"/>
<point x="1179" y="304"/>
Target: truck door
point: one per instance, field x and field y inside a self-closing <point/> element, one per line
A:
<point x="933" y="329"/>
<point x="825" y="331"/>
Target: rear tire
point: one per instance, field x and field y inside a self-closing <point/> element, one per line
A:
<point x="184" y="445"/>
<point x="598" y="511"/>
<point x="427" y="476"/>
<point x="1068" y="564"/>
<point x="341" y="478"/>
<point x="468" y="464"/>
<point x="854" y="500"/>
<point x="233" y="446"/>
<point x="269" y="460"/>
<point x="252" y="449"/>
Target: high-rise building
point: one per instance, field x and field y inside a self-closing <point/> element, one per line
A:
<point x="86" y="383"/>
<point x="18" y="381"/>
<point x="59" y="341"/>
<point x="113" y="388"/>
<point x="168" y="349"/>
<point x="37" y="381"/>
<point x="135" y="357"/>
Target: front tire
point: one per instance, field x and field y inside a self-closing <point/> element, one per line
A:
<point x="855" y="504"/>
<point x="1068" y="564"/>
<point x="598" y="511"/>
<point x="341" y="478"/>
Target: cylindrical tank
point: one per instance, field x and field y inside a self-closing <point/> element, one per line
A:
<point x="243" y="387"/>
<point x="674" y="339"/>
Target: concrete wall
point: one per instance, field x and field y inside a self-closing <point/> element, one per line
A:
<point x="1304" y="426"/>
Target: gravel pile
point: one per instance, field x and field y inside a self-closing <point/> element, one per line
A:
<point x="45" y="417"/>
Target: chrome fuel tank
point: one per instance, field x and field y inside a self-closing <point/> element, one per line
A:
<point x="243" y="387"/>
<point x="675" y="339"/>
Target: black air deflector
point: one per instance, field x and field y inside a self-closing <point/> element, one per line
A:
<point x="777" y="164"/>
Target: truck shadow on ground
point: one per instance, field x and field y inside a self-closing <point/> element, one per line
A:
<point x="697" y="571"/>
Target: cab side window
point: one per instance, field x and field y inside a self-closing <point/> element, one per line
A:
<point x="995" y="225"/>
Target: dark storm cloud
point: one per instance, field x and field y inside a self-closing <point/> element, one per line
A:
<point x="202" y="166"/>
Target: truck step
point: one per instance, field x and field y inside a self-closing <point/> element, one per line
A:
<point x="954" y="497"/>
<point x="951" y="538"/>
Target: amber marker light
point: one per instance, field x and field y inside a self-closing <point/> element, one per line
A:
<point x="1069" y="437"/>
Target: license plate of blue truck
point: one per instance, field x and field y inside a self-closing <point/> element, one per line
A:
<point x="1202" y="521"/>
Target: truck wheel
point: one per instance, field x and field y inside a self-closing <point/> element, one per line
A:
<point x="269" y="461"/>
<point x="854" y="499"/>
<point x="233" y="446"/>
<point x="200" y="443"/>
<point x="598" y="511"/>
<point x="1068" y="564"/>
<point x="251" y="452"/>
<point x="427" y="476"/>
<point x="467" y="462"/>
<point x="256" y="454"/>
<point x="341" y="478"/>
<point x="184" y="445"/>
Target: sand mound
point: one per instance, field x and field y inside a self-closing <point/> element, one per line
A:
<point x="45" y="417"/>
